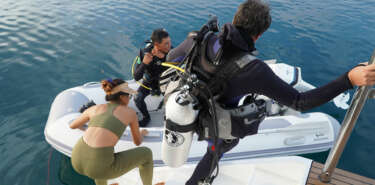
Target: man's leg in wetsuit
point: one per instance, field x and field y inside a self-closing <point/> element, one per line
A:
<point x="141" y="105"/>
<point x="204" y="165"/>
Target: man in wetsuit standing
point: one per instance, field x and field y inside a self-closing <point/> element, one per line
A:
<point x="150" y="69"/>
<point x="251" y="20"/>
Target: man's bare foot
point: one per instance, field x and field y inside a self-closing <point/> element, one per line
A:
<point x="160" y="183"/>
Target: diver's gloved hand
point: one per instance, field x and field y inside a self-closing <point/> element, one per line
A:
<point x="86" y="106"/>
<point x="155" y="92"/>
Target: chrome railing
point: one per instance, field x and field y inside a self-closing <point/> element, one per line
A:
<point x="350" y="119"/>
<point x="372" y="94"/>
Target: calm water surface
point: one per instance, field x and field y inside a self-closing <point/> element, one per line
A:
<point x="47" y="46"/>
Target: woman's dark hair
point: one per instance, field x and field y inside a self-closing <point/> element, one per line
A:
<point x="158" y="35"/>
<point x="253" y="16"/>
<point x="108" y="85"/>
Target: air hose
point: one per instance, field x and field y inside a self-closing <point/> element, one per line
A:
<point x="166" y="64"/>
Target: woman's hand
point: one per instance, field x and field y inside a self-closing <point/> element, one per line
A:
<point x="362" y="75"/>
<point x="144" y="132"/>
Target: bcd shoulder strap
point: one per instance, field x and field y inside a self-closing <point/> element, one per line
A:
<point x="227" y="71"/>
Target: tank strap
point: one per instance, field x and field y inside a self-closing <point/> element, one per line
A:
<point x="171" y="125"/>
<point x="244" y="60"/>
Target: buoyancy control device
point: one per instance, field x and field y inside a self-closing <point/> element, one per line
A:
<point x="181" y="99"/>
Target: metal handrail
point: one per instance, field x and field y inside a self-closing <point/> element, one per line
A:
<point x="372" y="93"/>
<point x="347" y="126"/>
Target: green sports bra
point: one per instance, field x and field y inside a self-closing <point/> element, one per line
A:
<point x="108" y="121"/>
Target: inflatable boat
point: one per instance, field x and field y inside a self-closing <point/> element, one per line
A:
<point x="283" y="132"/>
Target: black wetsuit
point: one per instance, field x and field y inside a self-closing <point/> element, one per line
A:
<point x="257" y="77"/>
<point x="151" y="73"/>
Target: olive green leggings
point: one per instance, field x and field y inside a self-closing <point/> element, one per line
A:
<point x="102" y="164"/>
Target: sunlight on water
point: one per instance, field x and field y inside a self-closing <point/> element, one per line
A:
<point x="47" y="46"/>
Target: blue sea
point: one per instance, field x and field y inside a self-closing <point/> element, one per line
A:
<point x="47" y="46"/>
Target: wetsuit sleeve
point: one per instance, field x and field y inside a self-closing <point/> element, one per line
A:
<point x="138" y="74"/>
<point x="177" y="54"/>
<point x="262" y="80"/>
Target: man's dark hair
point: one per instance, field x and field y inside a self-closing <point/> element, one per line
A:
<point x="158" y="35"/>
<point x="253" y="16"/>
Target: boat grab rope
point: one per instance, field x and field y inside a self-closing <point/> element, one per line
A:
<point x="48" y="167"/>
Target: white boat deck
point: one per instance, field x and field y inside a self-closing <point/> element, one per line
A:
<point x="261" y="171"/>
<point x="290" y="170"/>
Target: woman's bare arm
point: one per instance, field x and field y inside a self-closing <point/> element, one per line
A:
<point x="82" y="119"/>
<point x="134" y="128"/>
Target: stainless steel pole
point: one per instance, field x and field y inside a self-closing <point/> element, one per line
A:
<point x="372" y="93"/>
<point x="347" y="126"/>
